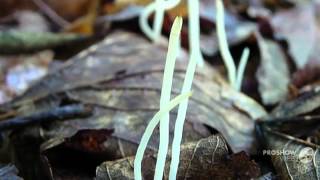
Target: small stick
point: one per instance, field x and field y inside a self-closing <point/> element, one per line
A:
<point x="58" y="113"/>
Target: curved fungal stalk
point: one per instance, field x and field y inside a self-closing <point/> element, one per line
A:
<point x="223" y="44"/>
<point x="143" y="21"/>
<point x="235" y="77"/>
<point x="159" y="7"/>
<point x="173" y="50"/>
<point x="242" y="65"/>
<point x="172" y="54"/>
<point x="158" y="20"/>
<point x="195" y="58"/>
<point x="194" y="31"/>
<point x="181" y="115"/>
<point x="149" y="129"/>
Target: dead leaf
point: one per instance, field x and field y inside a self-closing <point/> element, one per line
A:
<point x="114" y="7"/>
<point x="121" y="78"/>
<point x="305" y="103"/>
<point x="85" y="24"/>
<point x="10" y="6"/>
<point x="307" y="76"/>
<point x="204" y="159"/>
<point x="273" y="74"/>
<point x="78" y="156"/>
<point x="131" y="79"/>
<point x="71" y="9"/>
<point x="298" y="27"/>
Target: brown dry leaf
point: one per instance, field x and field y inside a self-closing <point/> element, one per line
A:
<point x="121" y="78"/>
<point x="78" y="156"/>
<point x="117" y="6"/>
<point x="298" y="27"/>
<point x="71" y="9"/>
<point x="85" y="24"/>
<point x="127" y="84"/>
<point x="307" y="76"/>
<point x="180" y="10"/>
<point x="305" y="103"/>
<point x="84" y="151"/>
<point x="310" y="73"/>
<point x="8" y="7"/>
<point x="292" y="157"/>
<point x="273" y="74"/>
<point x="204" y="159"/>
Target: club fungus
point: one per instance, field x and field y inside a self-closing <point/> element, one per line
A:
<point x="235" y="78"/>
<point x="149" y="129"/>
<point x="172" y="54"/>
<point x="159" y="6"/>
<point x="173" y="49"/>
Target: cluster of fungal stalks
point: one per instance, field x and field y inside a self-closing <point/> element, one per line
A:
<point x="235" y="77"/>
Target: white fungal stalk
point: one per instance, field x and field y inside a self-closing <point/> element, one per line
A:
<point x="159" y="6"/>
<point x="149" y="129"/>
<point x="182" y="110"/>
<point x="194" y="31"/>
<point x="173" y="49"/>
<point x="235" y="77"/>
<point x="158" y="20"/>
<point x="242" y="65"/>
<point x="172" y="54"/>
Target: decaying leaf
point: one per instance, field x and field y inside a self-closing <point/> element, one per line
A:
<point x="78" y="156"/>
<point x="300" y="32"/>
<point x="273" y="73"/>
<point x="305" y="103"/>
<point x="126" y="85"/>
<point x="283" y="137"/>
<point x="121" y="79"/>
<point x="85" y="24"/>
<point x="204" y="159"/>
<point x="117" y="6"/>
<point x="309" y="75"/>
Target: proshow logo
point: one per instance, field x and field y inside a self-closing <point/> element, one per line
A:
<point x="305" y="155"/>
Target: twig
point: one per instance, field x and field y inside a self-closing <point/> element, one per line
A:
<point x="59" y="113"/>
<point x="51" y="13"/>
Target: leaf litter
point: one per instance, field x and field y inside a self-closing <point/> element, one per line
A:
<point x="227" y="134"/>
